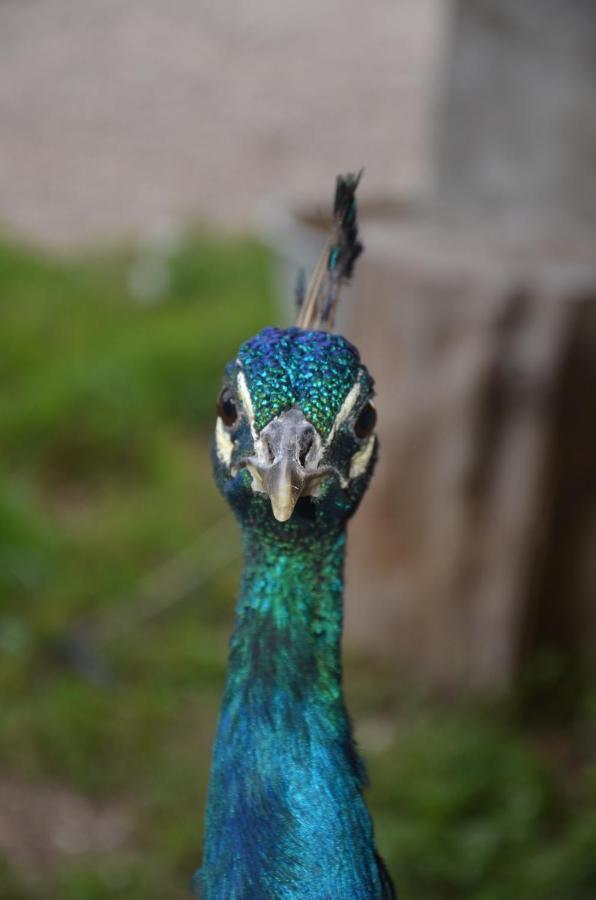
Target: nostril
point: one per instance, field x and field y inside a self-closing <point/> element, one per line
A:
<point x="268" y="448"/>
<point x="306" y="441"/>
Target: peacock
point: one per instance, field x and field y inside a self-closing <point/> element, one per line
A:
<point x="293" y="453"/>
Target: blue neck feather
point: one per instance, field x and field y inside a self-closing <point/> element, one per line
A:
<point x="285" y="815"/>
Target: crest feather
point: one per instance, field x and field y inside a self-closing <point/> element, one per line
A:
<point x="336" y="263"/>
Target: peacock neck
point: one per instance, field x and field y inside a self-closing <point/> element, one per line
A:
<point x="289" y="616"/>
<point x="285" y="815"/>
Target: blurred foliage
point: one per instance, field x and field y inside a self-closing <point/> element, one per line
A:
<point x="483" y="813"/>
<point x="109" y="367"/>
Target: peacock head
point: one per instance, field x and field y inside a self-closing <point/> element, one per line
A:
<point x="294" y="442"/>
<point x="295" y="436"/>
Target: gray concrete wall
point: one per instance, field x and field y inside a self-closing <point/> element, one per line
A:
<point x="516" y="128"/>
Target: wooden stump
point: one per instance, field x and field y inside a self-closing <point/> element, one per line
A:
<point x="477" y="542"/>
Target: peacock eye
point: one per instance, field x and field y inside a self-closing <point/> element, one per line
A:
<point x="366" y="421"/>
<point x="226" y="407"/>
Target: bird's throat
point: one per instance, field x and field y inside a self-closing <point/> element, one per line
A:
<point x="289" y="616"/>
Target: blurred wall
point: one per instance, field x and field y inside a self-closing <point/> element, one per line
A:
<point x="516" y="130"/>
<point x="121" y="116"/>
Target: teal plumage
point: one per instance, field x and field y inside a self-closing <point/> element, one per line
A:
<point x="293" y="454"/>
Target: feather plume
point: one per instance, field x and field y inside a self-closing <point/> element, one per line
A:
<point x="336" y="263"/>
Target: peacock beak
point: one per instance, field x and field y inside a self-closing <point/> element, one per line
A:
<point x="283" y="483"/>
<point x="285" y="464"/>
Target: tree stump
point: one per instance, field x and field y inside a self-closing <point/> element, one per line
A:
<point x="477" y="542"/>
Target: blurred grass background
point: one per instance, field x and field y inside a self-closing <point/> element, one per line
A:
<point x="118" y="572"/>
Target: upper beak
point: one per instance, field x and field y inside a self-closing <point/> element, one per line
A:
<point x="284" y="465"/>
<point x="284" y="483"/>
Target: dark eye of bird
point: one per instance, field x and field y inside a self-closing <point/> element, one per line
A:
<point x="366" y="421"/>
<point x="226" y="407"/>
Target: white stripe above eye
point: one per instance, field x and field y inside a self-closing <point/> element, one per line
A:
<point x="345" y="410"/>
<point x="224" y="444"/>
<point x="244" y="395"/>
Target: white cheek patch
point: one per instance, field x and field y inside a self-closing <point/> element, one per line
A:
<point x="346" y="408"/>
<point x="255" y="482"/>
<point x="361" y="458"/>
<point x="244" y="395"/>
<point x="224" y="444"/>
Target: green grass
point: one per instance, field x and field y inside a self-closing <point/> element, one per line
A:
<point x="106" y="406"/>
<point x="107" y="507"/>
